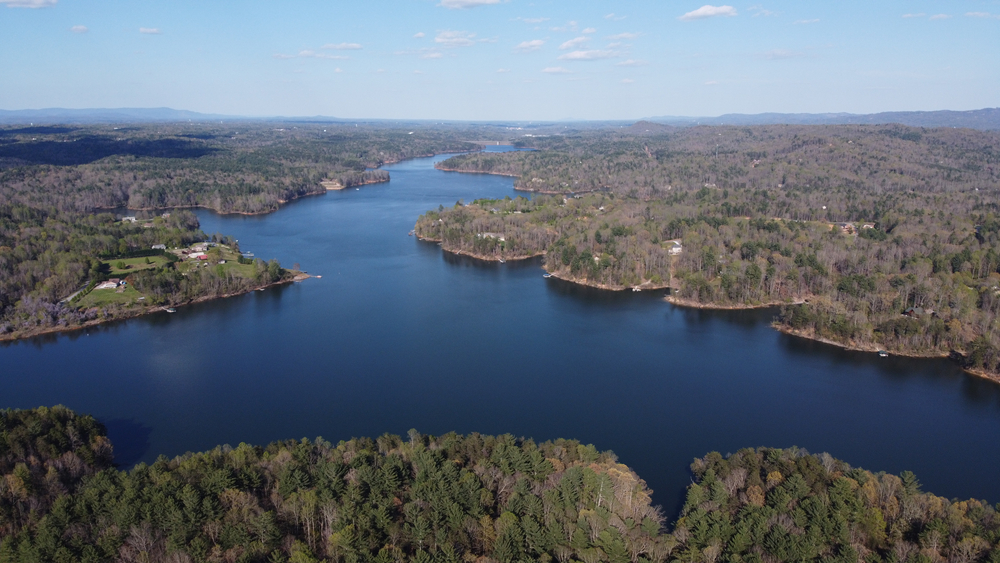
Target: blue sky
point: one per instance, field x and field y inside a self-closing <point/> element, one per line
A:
<point x="495" y="59"/>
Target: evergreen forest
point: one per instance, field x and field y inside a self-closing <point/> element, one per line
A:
<point x="455" y="498"/>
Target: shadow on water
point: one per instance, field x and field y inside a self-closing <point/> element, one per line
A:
<point x="153" y="319"/>
<point x="977" y="390"/>
<point x="130" y="439"/>
<point x="746" y="318"/>
<point x="460" y="260"/>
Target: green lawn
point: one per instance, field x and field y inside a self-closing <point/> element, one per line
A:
<point x="102" y="297"/>
<point x="134" y="264"/>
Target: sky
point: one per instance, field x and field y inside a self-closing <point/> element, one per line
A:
<point x="500" y="59"/>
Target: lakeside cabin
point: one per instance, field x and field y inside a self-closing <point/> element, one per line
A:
<point x="675" y="247"/>
<point x="110" y="284"/>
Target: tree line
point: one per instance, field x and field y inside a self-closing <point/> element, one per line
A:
<point x="231" y="168"/>
<point x="455" y="498"/>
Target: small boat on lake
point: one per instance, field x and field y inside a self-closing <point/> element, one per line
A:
<point x="170" y="310"/>
<point x="883" y="354"/>
<point x="636" y="289"/>
<point x="546" y="275"/>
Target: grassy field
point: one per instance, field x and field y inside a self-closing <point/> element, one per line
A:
<point x="102" y="297"/>
<point x="134" y="264"/>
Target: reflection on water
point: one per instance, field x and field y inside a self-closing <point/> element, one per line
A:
<point x="130" y="439"/>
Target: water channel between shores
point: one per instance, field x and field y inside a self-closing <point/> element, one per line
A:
<point x="399" y="334"/>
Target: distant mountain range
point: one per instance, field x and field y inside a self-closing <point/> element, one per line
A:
<point x="116" y="115"/>
<point x="988" y="118"/>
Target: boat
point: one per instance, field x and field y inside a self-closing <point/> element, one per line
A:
<point x="546" y="275"/>
<point x="883" y="354"/>
<point x="636" y="289"/>
<point x="502" y="260"/>
<point x="170" y="310"/>
<point x="411" y="233"/>
<point x="260" y="289"/>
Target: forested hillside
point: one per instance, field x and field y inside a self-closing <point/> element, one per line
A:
<point x="864" y="223"/>
<point x="455" y="498"/>
<point x="231" y="168"/>
<point x="57" y="181"/>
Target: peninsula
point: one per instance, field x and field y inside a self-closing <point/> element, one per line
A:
<point x="871" y="237"/>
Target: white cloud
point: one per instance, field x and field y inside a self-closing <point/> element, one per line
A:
<point x="462" y="4"/>
<point x="631" y="62"/>
<point x="337" y="69"/>
<point x="940" y="17"/>
<point x="418" y="72"/>
<point x="533" y="45"/>
<point x="149" y="30"/>
<point x="309" y="54"/>
<point x="432" y="55"/>
<point x="758" y="10"/>
<point x="590" y="30"/>
<point x="419" y="34"/>
<point x="532" y="20"/>
<point x="29" y="3"/>
<point x="709" y="11"/>
<point x="627" y="81"/>
<point x="621" y="36"/>
<point x="587" y="55"/>
<point x="712" y="83"/>
<point x="802" y="22"/>
<point x="982" y="15"/>
<point x="500" y="70"/>
<point x="570" y="26"/>
<point x="455" y="38"/>
<point x="342" y="46"/>
<point x="613" y="17"/>
<point x="573" y="43"/>
<point x="79" y="29"/>
<point x="556" y="70"/>
<point x="777" y="54"/>
<point x="920" y="15"/>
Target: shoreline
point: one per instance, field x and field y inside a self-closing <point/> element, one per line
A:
<point x="976" y="372"/>
<point x="482" y="257"/>
<point x="135" y="313"/>
<point x="320" y="191"/>
<point x="516" y="187"/>
<point x="647" y="286"/>
<point x="333" y="185"/>
<point x="681" y="302"/>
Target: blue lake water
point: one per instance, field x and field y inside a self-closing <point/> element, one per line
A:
<point x="398" y="334"/>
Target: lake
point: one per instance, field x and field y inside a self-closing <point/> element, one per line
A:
<point x="398" y="334"/>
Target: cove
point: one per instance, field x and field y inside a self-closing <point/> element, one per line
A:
<point x="398" y="334"/>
